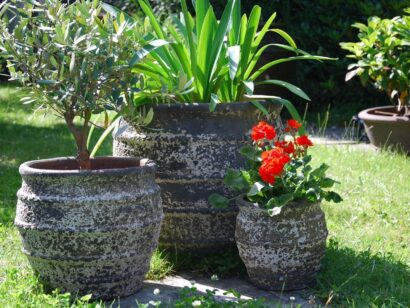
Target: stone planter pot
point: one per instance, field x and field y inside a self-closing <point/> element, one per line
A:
<point x="282" y="252"/>
<point x="193" y="148"/>
<point x="385" y="130"/>
<point x="90" y="231"/>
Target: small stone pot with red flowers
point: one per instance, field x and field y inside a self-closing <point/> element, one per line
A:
<point x="280" y="229"/>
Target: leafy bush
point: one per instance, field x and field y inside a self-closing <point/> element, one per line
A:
<point x="74" y="58"/>
<point x="382" y="57"/>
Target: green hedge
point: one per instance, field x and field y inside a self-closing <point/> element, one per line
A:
<point x="318" y="27"/>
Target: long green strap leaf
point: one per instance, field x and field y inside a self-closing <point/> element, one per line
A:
<point x="273" y="63"/>
<point x="288" y="105"/>
<point x="189" y="30"/>
<point x="292" y="88"/>
<point x="246" y="46"/>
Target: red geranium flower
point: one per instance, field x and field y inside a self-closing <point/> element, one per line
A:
<point x="304" y="141"/>
<point x="273" y="163"/>
<point x="293" y="125"/>
<point x="263" y="131"/>
<point x="288" y="146"/>
<point x="277" y="154"/>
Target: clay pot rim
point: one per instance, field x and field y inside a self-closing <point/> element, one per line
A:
<point x="204" y="107"/>
<point x="124" y="166"/>
<point x="366" y="115"/>
<point x="241" y="202"/>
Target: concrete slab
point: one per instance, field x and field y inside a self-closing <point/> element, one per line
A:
<point x="170" y="287"/>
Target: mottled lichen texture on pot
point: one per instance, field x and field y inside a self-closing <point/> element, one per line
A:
<point x="193" y="148"/>
<point x="282" y="252"/>
<point x="92" y="231"/>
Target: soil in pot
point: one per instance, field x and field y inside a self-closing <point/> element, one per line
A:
<point x="193" y="148"/>
<point x="283" y="252"/>
<point x="90" y="231"/>
<point x="385" y="129"/>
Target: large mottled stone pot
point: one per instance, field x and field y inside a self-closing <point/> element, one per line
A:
<point x="282" y="252"/>
<point x="90" y="231"/>
<point x="193" y="148"/>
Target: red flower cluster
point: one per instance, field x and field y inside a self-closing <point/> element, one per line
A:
<point x="293" y="125"/>
<point x="304" y="141"/>
<point x="263" y="131"/>
<point x="273" y="163"/>
<point x="275" y="158"/>
<point x="287" y="146"/>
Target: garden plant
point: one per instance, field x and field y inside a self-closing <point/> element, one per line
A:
<point x="280" y="229"/>
<point x="381" y="56"/>
<point x="202" y="86"/>
<point x="76" y="61"/>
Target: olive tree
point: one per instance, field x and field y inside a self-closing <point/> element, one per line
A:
<point x="75" y="59"/>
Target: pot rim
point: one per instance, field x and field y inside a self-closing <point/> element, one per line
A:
<point x="367" y="116"/>
<point x="242" y="203"/>
<point x="145" y="165"/>
<point x="205" y="106"/>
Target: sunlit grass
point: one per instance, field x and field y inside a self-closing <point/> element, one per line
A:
<point x="368" y="257"/>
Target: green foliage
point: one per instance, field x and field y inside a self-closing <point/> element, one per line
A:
<point x="367" y="261"/>
<point x="214" y="61"/>
<point x="289" y="165"/>
<point x="318" y="27"/>
<point x="382" y="56"/>
<point x="190" y="297"/>
<point x="74" y="57"/>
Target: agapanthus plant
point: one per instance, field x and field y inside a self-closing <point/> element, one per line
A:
<point x="278" y="171"/>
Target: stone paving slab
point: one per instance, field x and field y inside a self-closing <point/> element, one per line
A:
<point x="171" y="286"/>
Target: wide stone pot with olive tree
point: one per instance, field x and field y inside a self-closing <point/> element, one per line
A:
<point x="382" y="60"/>
<point x="203" y="83"/>
<point x="88" y="226"/>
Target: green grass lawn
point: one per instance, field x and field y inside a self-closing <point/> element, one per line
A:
<point x="368" y="256"/>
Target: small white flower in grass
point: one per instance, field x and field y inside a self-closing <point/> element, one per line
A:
<point x="292" y="298"/>
<point x="156" y="291"/>
<point x="196" y="303"/>
<point x="214" y="277"/>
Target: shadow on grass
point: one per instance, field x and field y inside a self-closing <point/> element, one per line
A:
<point x="224" y="263"/>
<point x="362" y="278"/>
<point x="20" y="143"/>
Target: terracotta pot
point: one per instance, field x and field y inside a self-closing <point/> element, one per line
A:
<point x="282" y="252"/>
<point x="90" y="231"/>
<point x="385" y="130"/>
<point x="193" y="148"/>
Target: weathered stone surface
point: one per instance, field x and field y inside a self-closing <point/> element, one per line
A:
<point x="282" y="252"/>
<point x="193" y="149"/>
<point x="170" y="288"/>
<point x="90" y="231"/>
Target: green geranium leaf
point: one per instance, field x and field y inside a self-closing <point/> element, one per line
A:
<point x="313" y="194"/>
<point x="218" y="201"/>
<point x="256" y="189"/>
<point x="333" y="196"/>
<point x="327" y="183"/>
<point x="235" y="180"/>
<point x="249" y="152"/>
<point x="319" y="172"/>
<point x="280" y="201"/>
